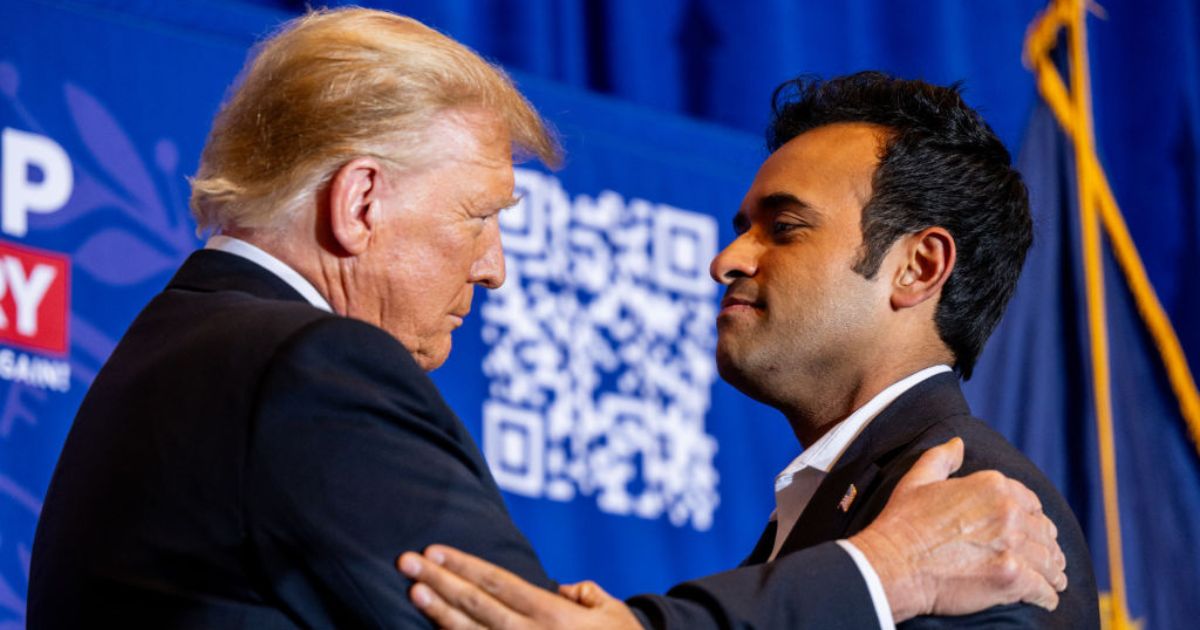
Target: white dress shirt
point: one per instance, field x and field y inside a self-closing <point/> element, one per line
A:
<point x="797" y="483"/>
<point x="241" y="248"/>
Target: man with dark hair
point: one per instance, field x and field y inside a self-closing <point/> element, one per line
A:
<point x="941" y="165"/>
<point x="875" y="252"/>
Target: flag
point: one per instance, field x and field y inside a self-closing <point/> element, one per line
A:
<point x="1085" y="373"/>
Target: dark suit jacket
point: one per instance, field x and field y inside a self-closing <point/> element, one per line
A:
<point x="929" y="414"/>
<point x="244" y="460"/>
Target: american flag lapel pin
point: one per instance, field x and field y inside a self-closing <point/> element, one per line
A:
<point x="848" y="498"/>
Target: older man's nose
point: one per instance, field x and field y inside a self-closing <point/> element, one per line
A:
<point x="488" y="269"/>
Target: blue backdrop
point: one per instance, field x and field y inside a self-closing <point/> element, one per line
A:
<point x="588" y="379"/>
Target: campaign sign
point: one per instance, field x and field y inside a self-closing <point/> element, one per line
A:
<point x="34" y="298"/>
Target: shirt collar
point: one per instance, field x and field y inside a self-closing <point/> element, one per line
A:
<point x="255" y="255"/>
<point x="825" y="452"/>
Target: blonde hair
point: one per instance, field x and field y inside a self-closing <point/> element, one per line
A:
<point x="334" y="85"/>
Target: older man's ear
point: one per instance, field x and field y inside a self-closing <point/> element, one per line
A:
<point x="354" y="204"/>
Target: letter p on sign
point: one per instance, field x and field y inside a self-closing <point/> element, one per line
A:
<point x="24" y="194"/>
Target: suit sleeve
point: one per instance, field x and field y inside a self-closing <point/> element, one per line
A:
<point x="1010" y="616"/>
<point x="353" y="459"/>
<point x="818" y="587"/>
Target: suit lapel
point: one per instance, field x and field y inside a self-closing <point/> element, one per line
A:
<point x="824" y="518"/>
<point x="762" y="549"/>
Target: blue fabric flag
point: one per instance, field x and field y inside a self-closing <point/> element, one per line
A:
<point x="1035" y="383"/>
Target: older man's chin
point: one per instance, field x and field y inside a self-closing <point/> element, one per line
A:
<point x="432" y="357"/>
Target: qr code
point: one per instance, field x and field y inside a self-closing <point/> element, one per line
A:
<point x="600" y="364"/>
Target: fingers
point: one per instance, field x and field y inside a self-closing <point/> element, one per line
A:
<point x="597" y="610"/>
<point x="459" y="591"/>
<point x="571" y="592"/>
<point x="438" y="611"/>
<point x="508" y="589"/>
<point x="450" y="600"/>
<point x="1026" y="585"/>
<point x="1029" y="555"/>
<point x="1027" y="532"/>
<point x="936" y="464"/>
<point x="1042" y="555"/>
<point x="587" y="594"/>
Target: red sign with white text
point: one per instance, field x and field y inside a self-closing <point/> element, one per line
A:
<point x="34" y="293"/>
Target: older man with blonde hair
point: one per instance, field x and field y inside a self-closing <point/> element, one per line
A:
<point x="264" y="442"/>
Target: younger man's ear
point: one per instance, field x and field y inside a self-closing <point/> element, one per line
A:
<point x="354" y="204"/>
<point x="928" y="260"/>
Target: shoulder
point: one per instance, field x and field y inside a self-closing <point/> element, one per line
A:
<point x="353" y="355"/>
<point x="283" y="353"/>
<point x="985" y="449"/>
<point x="343" y="366"/>
<point x="240" y="323"/>
<point x="230" y="319"/>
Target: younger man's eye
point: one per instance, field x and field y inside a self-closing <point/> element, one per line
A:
<point x="783" y="227"/>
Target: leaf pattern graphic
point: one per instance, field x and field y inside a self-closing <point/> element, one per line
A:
<point x="116" y="257"/>
<point x="10" y="79"/>
<point x="147" y="238"/>
<point x="115" y="153"/>
<point x="89" y="195"/>
<point x="10" y="600"/>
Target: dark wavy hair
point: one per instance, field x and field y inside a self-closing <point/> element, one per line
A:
<point x="941" y="165"/>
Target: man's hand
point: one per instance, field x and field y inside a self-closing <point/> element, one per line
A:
<point x="957" y="546"/>
<point x="457" y="591"/>
<point x="941" y="546"/>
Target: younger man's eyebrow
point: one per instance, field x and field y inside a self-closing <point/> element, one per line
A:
<point x="775" y="202"/>
<point x="771" y="205"/>
<point x="741" y="222"/>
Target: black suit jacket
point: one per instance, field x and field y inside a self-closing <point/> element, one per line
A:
<point x="244" y="460"/>
<point x="929" y="414"/>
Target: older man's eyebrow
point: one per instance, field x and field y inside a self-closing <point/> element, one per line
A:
<point x="508" y="203"/>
